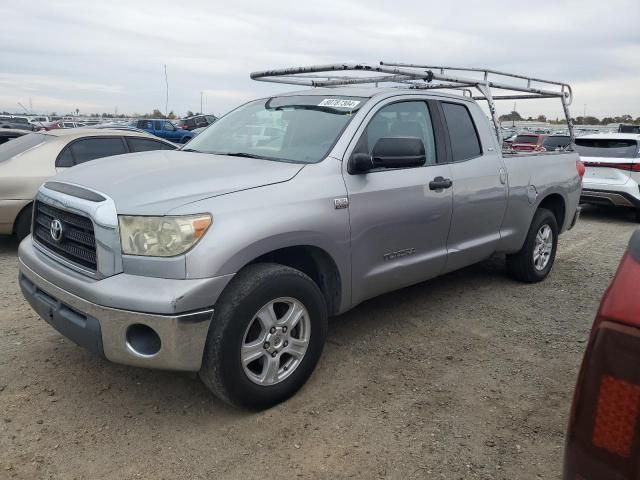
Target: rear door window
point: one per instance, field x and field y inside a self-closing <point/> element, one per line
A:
<point x="92" y="148"/>
<point x="611" y="148"/>
<point x="465" y="143"/>
<point x="146" y="145"/>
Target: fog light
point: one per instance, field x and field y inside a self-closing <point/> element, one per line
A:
<point x="143" y="340"/>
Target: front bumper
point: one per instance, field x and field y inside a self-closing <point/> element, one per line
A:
<point x="102" y="315"/>
<point x="106" y="331"/>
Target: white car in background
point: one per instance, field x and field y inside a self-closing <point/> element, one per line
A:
<point x="613" y="169"/>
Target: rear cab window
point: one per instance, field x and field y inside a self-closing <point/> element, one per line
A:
<point x="465" y="142"/>
<point x="608" y="148"/>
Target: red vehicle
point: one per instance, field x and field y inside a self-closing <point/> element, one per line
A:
<point x="603" y="441"/>
<point x="528" y="142"/>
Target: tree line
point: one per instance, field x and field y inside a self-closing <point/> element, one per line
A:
<point x="588" y="120"/>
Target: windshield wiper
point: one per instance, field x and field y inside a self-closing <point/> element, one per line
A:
<point x="190" y="150"/>
<point x="241" y="154"/>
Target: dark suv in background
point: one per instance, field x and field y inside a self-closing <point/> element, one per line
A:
<point x="197" y="121"/>
<point x="554" y="143"/>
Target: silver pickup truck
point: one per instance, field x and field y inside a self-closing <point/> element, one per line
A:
<point x="226" y="257"/>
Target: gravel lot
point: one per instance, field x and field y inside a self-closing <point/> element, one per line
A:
<point x="466" y="376"/>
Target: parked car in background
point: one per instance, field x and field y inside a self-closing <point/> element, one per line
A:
<point x="39" y="119"/>
<point x="553" y="143"/>
<point x="59" y="124"/>
<point x="612" y="169"/>
<point x="164" y="129"/>
<point x="18" y="123"/>
<point x="7" y="134"/>
<point x="227" y="256"/>
<point x="197" y="121"/>
<point x="528" y="142"/>
<point x="28" y="161"/>
<point x="602" y="441"/>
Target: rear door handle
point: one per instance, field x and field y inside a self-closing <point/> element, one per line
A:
<point x="440" y="183"/>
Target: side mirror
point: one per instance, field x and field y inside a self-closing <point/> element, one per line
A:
<point x="390" y="152"/>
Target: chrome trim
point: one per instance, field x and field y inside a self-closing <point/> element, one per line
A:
<point x="60" y="259"/>
<point x="105" y="225"/>
<point x="182" y="336"/>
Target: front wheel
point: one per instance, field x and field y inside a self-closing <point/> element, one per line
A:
<point x="266" y="336"/>
<point x="535" y="259"/>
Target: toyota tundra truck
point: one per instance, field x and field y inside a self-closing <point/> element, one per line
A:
<point x="227" y="257"/>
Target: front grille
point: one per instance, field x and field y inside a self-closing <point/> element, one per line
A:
<point x="77" y="243"/>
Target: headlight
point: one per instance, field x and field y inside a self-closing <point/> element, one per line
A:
<point x="161" y="236"/>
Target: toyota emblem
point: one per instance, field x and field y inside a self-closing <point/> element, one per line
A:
<point x="55" y="229"/>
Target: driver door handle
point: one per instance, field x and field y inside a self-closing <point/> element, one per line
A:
<point x="440" y="183"/>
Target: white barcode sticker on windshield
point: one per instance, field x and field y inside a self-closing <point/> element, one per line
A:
<point x="339" y="103"/>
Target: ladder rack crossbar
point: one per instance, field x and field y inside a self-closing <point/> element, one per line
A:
<point x="416" y="76"/>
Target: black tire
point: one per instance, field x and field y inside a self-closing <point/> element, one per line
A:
<point x="637" y="211"/>
<point x="22" y="227"/>
<point x="252" y="288"/>
<point x="521" y="266"/>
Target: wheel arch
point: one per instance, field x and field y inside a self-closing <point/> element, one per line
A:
<point x="556" y="204"/>
<point x="313" y="261"/>
<point x="28" y="206"/>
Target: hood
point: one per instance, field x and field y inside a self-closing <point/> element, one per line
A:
<point x="153" y="183"/>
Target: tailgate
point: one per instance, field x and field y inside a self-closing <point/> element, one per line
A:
<point x="609" y="161"/>
<point x="608" y="171"/>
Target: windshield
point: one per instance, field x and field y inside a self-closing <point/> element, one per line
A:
<point x="611" y="148"/>
<point x="20" y="144"/>
<point x="292" y="129"/>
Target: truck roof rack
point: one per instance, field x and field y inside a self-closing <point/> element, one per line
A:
<point x="408" y="75"/>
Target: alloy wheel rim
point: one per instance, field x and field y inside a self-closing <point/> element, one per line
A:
<point x="543" y="247"/>
<point x="275" y="341"/>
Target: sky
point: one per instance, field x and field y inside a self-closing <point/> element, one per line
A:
<point x="65" y="55"/>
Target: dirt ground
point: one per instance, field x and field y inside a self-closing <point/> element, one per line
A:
<point x="466" y="376"/>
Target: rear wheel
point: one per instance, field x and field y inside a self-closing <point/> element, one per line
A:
<point x="266" y="336"/>
<point x="637" y="211"/>
<point x="535" y="259"/>
<point x="22" y="227"/>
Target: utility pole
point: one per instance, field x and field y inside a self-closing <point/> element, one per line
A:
<point x="166" y="81"/>
<point x="201" y="111"/>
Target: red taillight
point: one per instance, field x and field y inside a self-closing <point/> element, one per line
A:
<point x="616" y="416"/>
<point x="629" y="167"/>
<point x="603" y="438"/>
<point x="580" y="168"/>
